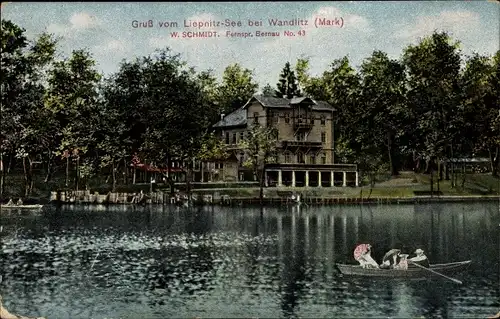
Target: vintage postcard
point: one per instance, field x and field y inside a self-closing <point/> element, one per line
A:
<point x="250" y="160"/>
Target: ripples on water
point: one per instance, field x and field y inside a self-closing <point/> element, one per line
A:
<point x="161" y="262"/>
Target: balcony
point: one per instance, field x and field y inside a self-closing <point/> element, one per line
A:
<point x="302" y="125"/>
<point x="298" y="144"/>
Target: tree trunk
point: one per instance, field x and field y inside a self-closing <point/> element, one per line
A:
<point x="439" y="174"/>
<point x="463" y="175"/>
<point x="32" y="180"/>
<point x="10" y="164"/>
<point x="48" y="175"/>
<point x="394" y="171"/>
<point x="452" y="167"/>
<point x="261" y="186"/>
<point x="2" y="175"/>
<point x="27" y="180"/>
<point x="77" y="177"/>
<point x="134" y="174"/>
<point x="432" y="179"/>
<point x="113" y="174"/>
<point x="188" y="183"/>
<point x="125" y="172"/>
<point x="428" y="166"/>
<point x="169" y="177"/>
<point x="494" y="161"/>
<point x="67" y="171"/>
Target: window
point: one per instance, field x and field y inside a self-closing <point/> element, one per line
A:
<point x="227" y="137"/>
<point x="288" y="158"/>
<point x="287" y="118"/>
<point x="276" y="118"/>
<point x="312" y="120"/>
<point x="323" y="137"/>
<point x="242" y="158"/>
<point x="300" y="136"/>
<point x="312" y="159"/>
<point x="323" y="158"/>
<point x="256" y="117"/>
<point x="300" y="118"/>
<point x="242" y="136"/>
<point x="323" y="120"/>
<point x="300" y="158"/>
<point x="234" y="138"/>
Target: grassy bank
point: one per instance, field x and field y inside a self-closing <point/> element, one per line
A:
<point x="403" y="186"/>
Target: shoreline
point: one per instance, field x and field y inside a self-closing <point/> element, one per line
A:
<point x="219" y="198"/>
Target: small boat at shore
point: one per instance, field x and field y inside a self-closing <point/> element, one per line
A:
<point x="411" y="272"/>
<point x="35" y="206"/>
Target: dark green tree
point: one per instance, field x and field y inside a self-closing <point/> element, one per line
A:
<point x="433" y="69"/>
<point x="237" y="87"/>
<point x="27" y="129"/>
<point x="268" y="90"/>
<point x="287" y="85"/>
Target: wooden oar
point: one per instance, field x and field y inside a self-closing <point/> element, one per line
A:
<point x="435" y="272"/>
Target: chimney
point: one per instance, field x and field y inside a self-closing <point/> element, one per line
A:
<point x="222" y="116"/>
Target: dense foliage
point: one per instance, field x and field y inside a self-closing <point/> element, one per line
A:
<point x="409" y="113"/>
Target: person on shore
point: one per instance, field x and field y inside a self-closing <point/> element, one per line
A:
<point x="421" y="259"/>
<point x="10" y="203"/>
<point x="362" y="253"/>
<point x="19" y="202"/>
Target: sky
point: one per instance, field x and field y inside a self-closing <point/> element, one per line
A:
<point x="113" y="32"/>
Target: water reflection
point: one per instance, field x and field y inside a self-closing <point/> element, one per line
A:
<point x="156" y="262"/>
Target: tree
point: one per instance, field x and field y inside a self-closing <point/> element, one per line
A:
<point x="433" y="67"/>
<point x="237" y="87"/>
<point x="26" y="130"/>
<point x="382" y="96"/>
<point x="268" y="90"/>
<point x="212" y="148"/>
<point x="287" y="86"/>
<point x="179" y="110"/>
<point x="260" y="148"/>
<point x="72" y="96"/>
<point x="121" y="112"/>
<point x="480" y="83"/>
<point x="211" y="92"/>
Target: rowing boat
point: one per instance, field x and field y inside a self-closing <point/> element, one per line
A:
<point x="36" y="206"/>
<point x="412" y="272"/>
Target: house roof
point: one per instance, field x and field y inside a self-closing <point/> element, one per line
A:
<point x="277" y="102"/>
<point x="238" y="117"/>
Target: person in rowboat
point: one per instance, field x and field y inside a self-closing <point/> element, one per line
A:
<point x="362" y="253"/>
<point x="391" y="259"/>
<point x="403" y="263"/>
<point x="420" y="259"/>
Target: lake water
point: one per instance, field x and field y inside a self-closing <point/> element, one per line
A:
<point x="163" y="262"/>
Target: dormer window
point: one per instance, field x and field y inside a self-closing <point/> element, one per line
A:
<point x="256" y="117"/>
<point x="323" y="120"/>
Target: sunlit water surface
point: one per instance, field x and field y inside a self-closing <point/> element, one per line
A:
<point x="161" y="262"/>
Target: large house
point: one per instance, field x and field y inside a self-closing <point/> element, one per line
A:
<point x="305" y="156"/>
